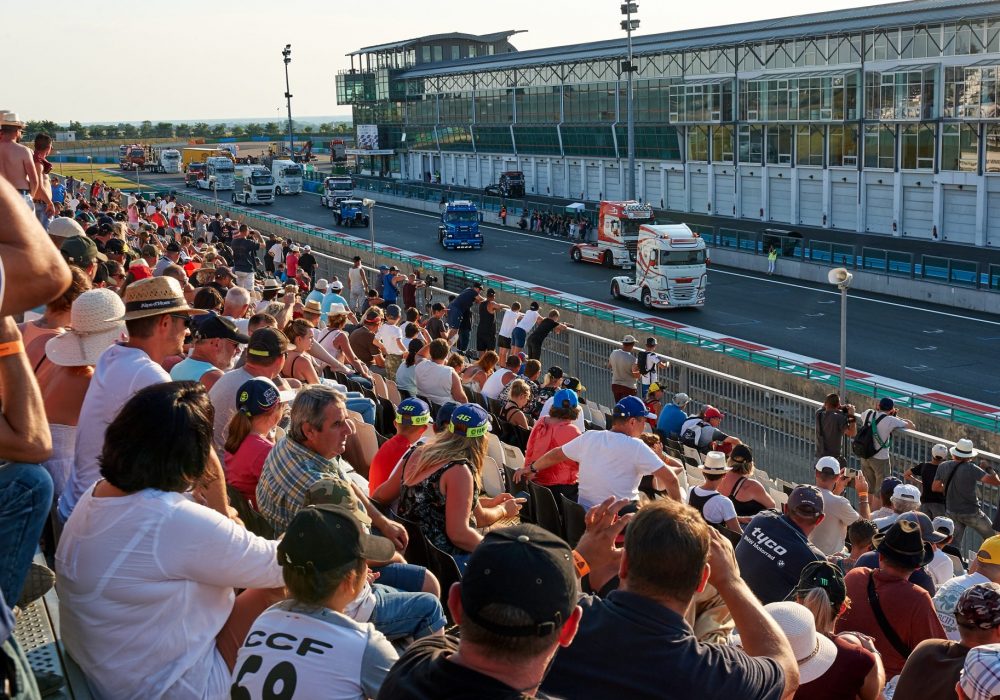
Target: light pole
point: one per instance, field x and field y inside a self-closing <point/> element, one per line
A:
<point x="91" y="160"/>
<point x="842" y="278"/>
<point x="287" y="53"/>
<point x="630" y="25"/>
<point x="370" y="206"/>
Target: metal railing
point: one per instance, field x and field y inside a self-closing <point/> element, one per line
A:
<point x="454" y="279"/>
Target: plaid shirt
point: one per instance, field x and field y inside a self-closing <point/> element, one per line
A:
<point x="289" y="470"/>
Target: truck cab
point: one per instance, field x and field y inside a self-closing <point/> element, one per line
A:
<point x="511" y="184"/>
<point x="335" y="189"/>
<point x="671" y="269"/>
<point x="170" y="160"/>
<point x="350" y="212"/>
<point x="459" y="226"/>
<point x="287" y="176"/>
<point x="219" y="174"/>
<point x="614" y="240"/>
<point x="194" y="172"/>
<point x="254" y="185"/>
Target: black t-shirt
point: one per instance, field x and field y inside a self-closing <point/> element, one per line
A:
<point x="541" y="332"/>
<point x="437" y="328"/>
<point x="772" y="553"/>
<point x="425" y="673"/>
<point x="830" y="427"/>
<point x="464" y="301"/>
<point x="307" y="262"/>
<point x="632" y="647"/>
<point x="926" y="471"/>
<point x="215" y="226"/>
<point x="244" y="254"/>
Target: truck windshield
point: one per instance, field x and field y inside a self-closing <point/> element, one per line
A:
<point x="630" y="227"/>
<point x="224" y="168"/>
<point x="681" y="257"/>
<point x="461" y="217"/>
<point x="292" y="171"/>
<point x="262" y="179"/>
<point x="341" y="186"/>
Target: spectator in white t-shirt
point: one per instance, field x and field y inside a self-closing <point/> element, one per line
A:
<point x="885" y="422"/>
<point x="526" y="324"/>
<point x="501" y="377"/>
<point x="942" y="567"/>
<point x="716" y="509"/>
<point x="612" y="462"/>
<point x="390" y="334"/>
<point x="832" y="479"/>
<point x="436" y="381"/>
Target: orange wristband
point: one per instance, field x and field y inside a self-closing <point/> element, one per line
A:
<point x="14" y="347"/>
<point x="582" y="567"/>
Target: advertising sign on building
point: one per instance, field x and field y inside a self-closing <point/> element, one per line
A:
<point x="367" y="137"/>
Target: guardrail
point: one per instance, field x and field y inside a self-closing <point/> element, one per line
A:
<point x="455" y="279"/>
<point x="928" y="268"/>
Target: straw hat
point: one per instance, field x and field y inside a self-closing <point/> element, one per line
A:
<point x="312" y="307"/>
<point x="8" y="118"/>
<point x="155" y="296"/>
<point x="715" y="463"/>
<point x="96" y="321"/>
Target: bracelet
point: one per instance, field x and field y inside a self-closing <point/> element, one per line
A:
<point x="862" y="494"/>
<point x="13" y="347"/>
<point x="532" y="468"/>
<point x="581" y="565"/>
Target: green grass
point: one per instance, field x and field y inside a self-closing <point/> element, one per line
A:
<point x="83" y="171"/>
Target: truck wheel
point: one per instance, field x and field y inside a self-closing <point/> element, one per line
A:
<point x="647" y="298"/>
<point x="441" y="241"/>
<point x="336" y="218"/>
<point x="574" y="253"/>
<point x="616" y="291"/>
<point x="607" y="259"/>
<point x="234" y="198"/>
<point x="277" y="191"/>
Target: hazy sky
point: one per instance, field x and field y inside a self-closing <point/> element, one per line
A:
<point x="110" y="60"/>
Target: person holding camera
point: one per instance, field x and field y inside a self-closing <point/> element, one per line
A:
<point x="833" y="421"/>
<point x="885" y="422"/>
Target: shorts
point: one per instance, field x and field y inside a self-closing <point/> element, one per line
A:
<point x="454" y="317"/>
<point x="484" y="343"/>
<point x="402" y="577"/>
<point x="503" y="342"/>
<point x="517" y="337"/>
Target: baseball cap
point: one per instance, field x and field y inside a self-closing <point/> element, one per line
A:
<point x="322" y="284"/>
<point x="565" y="398"/>
<point x="989" y="550"/>
<point x="413" y="411"/>
<point x="223" y="271"/>
<point x="823" y="574"/>
<point x="650" y="342"/>
<point x="115" y="246"/>
<point x="211" y="325"/>
<point x="940" y="451"/>
<point x="335" y="492"/>
<point x="889" y="485"/>
<point x="980" y="679"/>
<point x="470" y="420"/>
<point x="927" y="529"/>
<point x="979" y="606"/>
<point x="886" y="404"/>
<point x="81" y="250"/>
<point x="805" y="500"/>
<point x="64" y="227"/>
<point x="336" y="285"/>
<point x="267" y="343"/>
<point x="443" y="417"/>
<point x="907" y="492"/>
<point x="828" y="465"/>
<point x="654" y="387"/>
<point x="631" y="407"/>
<point x="533" y="306"/>
<point x="259" y="395"/>
<point x="944" y="525"/>
<point x="713" y="412"/>
<point x="628" y="340"/>
<point x="523" y="567"/>
<point x="475" y="285"/>
<point x="555" y="372"/>
<point x="681" y="399"/>
<point x="574" y="384"/>
<point x="326" y="537"/>
<point x="173" y="247"/>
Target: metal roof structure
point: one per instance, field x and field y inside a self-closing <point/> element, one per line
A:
<point x="395" y="45"/>
<point x="909" y="13"/>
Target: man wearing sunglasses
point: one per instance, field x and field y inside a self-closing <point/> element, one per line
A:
<point x="216" y="344"/>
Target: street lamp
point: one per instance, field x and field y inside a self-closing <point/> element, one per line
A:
<point x="629" y="25"/>
<point x="842" y="278"/>
<point x="90" y="159"/>
<point x="370" y="206"/>
<point x="287" y="53"/>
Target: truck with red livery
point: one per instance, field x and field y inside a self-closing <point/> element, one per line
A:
<point x="614" y="240"/>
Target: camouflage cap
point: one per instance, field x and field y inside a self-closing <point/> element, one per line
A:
<point x="979" y="607"/>
<point x="333" y="491"/>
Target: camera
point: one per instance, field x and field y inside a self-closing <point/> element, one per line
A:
<point x="431" y="280"/>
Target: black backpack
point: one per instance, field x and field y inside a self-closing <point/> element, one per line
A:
<point x="692" y="436"/>
<point x="863" y="445"/>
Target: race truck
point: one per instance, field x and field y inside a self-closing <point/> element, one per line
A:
<point x="287" y="176"/>
<point x="671" y="268"/>
<point x="350" y="212"/>
<point x="170" y="161"/>
<point x="335" y="189"/>
<point x="511" y="185"/>
<point x="613" y="241"/>
<point x="459" y="226"/>
<point x="132" y="157"/>
<point x="194" y="172"/>
<point x="254" y="185"/>
<point x="219" y="171"/>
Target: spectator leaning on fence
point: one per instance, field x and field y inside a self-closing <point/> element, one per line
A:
<point x="624" y="370"/>
<point x="957" y="480"/>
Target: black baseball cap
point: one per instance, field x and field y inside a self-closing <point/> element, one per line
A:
<point x="326" y="537"/>
<point x="524" y="567"/>
<point x="267" y="343"/>
<point x="823" y="574"/>
<point x="805" y="500"/>
<point x="173" y="247"/>
<point x="115" y="246"/>
<point x="211" y="325"/>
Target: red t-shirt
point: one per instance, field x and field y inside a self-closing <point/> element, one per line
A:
<point x="385" y="460"/>
<point x="547" y="434"/>
<point x="243" y="468"/>
<point x="907" y="607"/>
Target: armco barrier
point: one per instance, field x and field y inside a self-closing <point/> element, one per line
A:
<point x="636" y="322"/>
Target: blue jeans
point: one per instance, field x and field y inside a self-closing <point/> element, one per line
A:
<point x="356" y="401"/>
<point x="400" y="614"/>
<point x="25" y="502"/>
<point x="402" y="577"/>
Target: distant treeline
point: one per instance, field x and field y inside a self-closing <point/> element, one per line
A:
<point x="148" y="129"/>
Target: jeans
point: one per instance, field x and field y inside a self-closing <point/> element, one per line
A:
<point x="400" y="614"/>
<point x="41" y="214"/>
<point x="363" y="405"/>
<point x="25" y="501"/>
<point x="977" y="521"/>
<point x="402" y="577"/>
<point x="517" y="337"/>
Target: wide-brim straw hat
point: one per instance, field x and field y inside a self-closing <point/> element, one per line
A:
<point x="156" y="296"/>
<point x="97" y="320"/>
<point x="8" y="118"/>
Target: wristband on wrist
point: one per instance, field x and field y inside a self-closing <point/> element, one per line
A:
<point x="13" y="347"/>
<point x="581" y="565"/>
<point x="862" y="494"/>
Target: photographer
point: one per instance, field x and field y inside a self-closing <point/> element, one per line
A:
<point x="885" y="422"/>
<point x="834" y="421"/>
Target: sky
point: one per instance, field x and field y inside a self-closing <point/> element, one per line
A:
<point x="123" y="60"/>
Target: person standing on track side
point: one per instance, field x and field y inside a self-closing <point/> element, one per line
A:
<point x="510" y="318"/>
<point x="624" y="369"/>
<point x="460" y="314"/>
<point x="486" y="331"/>
<point x="541" y="332"/>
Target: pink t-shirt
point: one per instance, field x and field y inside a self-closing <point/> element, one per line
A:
<point x="243" y="468"/>
<point x="547" y="434"/>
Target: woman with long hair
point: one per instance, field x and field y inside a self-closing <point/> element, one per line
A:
<point x="476" y="374"/>
<point x="748" y="495"/>
<point x="440" y="486"/>
<point x="249" y="437"/>
<point x="298" y="362"/>
<point x="406" y="380"/>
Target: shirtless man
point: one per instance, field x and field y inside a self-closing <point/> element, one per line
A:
<point x="42" y="196"/>
<point x="17" y="165"/>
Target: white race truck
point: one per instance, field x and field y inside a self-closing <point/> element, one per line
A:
<point x="287" y="176"/>
<point x="170" y="160"/>
<point x="254" y="185"/>
<point x="218" y="175"/>
<point x="671" y="269"/>
<point x="335" y="189"/>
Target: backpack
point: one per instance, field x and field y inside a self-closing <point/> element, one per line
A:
<point x="692" y="435"/>
<point x="641" y="361"/>
<point x="863" y="445"/>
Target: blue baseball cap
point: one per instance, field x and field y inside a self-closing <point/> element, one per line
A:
<point x="470" y="420"/>
<point x="631" y="407"/>
<point x="413" y="411"/>
<point x="259" y="395"/>
<point x="565" y="398"/>
<point x="443" y="417"/>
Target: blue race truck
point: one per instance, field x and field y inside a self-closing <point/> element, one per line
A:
<point x="350" y="212"/>
<point x="460" y="226"/>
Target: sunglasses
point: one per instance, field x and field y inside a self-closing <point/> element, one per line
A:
<point x="182" y="317"/>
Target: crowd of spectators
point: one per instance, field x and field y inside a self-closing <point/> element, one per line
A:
<point x="252" y="487"/>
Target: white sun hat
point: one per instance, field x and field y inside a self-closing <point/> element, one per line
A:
<point x="813" y="652"/>
<point x="97" y="320"/>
